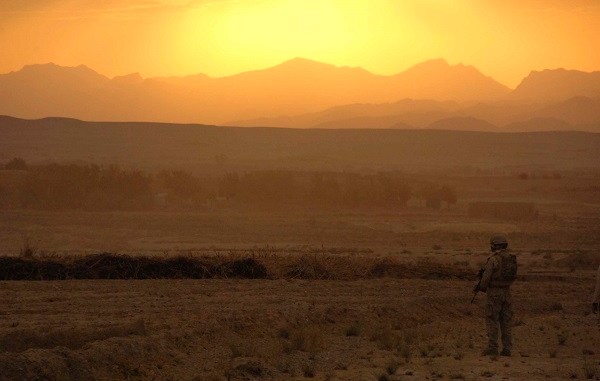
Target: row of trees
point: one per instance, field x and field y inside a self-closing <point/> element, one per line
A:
<point x="88" y="187"/>
<point x="92" y="187"/>
<point x="349" y="190"/>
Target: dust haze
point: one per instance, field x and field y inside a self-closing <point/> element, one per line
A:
<point x="302" y="220"/>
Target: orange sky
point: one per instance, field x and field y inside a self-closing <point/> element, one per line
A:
<point x="503" y="38"/>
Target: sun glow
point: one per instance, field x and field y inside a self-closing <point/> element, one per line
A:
<point x="504" y="39"/>
<point x="258" y="34"/>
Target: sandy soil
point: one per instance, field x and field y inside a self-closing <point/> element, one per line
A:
<point x="289" y="329"/>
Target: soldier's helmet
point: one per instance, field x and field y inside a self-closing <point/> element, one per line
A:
<point x="498" y="242"/>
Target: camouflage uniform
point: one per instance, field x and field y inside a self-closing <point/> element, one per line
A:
<point x="596" y="298"/>
<point x="498" y="308"/>
<point x="597" y="290"/>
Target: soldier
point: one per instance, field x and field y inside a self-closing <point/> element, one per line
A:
<point x="596" y="299"/>
<point x="499" y="273"/>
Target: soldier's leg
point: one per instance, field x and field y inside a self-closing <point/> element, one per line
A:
<point x="506" y="315"/>
<point x="492" y="312"/>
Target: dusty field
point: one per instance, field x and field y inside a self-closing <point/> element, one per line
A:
<point x="289" y="329"/>
<point x="359" y="329"/>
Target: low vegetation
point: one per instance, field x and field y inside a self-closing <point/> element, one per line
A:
<point x="94" y="187"/>
<point x="237" y="266"/>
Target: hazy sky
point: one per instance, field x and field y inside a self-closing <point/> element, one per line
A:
<point x="503" y="38"/>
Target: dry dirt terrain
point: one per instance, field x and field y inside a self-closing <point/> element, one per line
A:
<point x="289" y="329"/>
<point x="383" y="327"/>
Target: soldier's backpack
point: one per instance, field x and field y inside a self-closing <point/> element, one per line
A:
<point x="508" y="271"/>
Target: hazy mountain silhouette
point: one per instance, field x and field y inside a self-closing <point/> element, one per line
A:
<point x="539" y="124"/>
<point x="559" y="84"/>
<point x="465" y="123"/>
<point x="347" y="116"/>
<point x="436" y="79"/>
<point x="579" y="113"/>
<point x="293" y="87"/>
<point x="577" y="110"/>
<point x="307" y="94"/>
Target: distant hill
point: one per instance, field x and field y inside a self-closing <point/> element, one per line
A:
<point x="220" y="149"/>
<point x="346" y="116"/>
<point x="539" y="124"/>
<point x="556" y="85"/>
<point x="463" y="124"/>
<point x="293" y="87"/>
<point x="437" y="80"/>
<point x="578" y="113"/>
<point x="577" y="110"/>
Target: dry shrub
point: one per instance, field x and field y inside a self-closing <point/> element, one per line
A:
<point x="112" y="266"/>
<point x="251" y="266"/>
<point x="389" y="340"/>
<point x="308" y="267"/>
<point x="590" y="370"/>
<point x="29" y="249"/>
<point x="354" y="330"/>
<point x="248" y="371"/>
<point x="305" y="338"/>
<point x="243" y="348"/>
<point x="391" y="367"/>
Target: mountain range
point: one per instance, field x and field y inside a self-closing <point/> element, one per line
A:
<point x="309" y="94"/>
<point x="577" y="113"/>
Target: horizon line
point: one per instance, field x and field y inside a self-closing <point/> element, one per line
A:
<point x="193" y="124"/>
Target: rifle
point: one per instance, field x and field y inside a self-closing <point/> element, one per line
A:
<point x="476" y="289"/>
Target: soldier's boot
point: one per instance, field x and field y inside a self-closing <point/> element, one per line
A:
<point x="505" y="352"/>
<point x="490" y="352"/>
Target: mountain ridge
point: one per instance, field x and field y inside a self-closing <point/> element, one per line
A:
<point x="294" y="87"/>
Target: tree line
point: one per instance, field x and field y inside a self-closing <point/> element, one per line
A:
<point x="94" y="187"/>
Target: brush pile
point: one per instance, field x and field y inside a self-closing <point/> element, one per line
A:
<point x="222" y="266"/>
<point x="113" y="266"/>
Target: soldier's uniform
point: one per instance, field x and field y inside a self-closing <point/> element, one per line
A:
<point x="498" y="308"/>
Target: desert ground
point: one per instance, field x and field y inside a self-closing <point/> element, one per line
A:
<point x="337" y="319"/>
<point x="289" y="329"/>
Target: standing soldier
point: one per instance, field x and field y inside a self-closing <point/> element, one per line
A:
<point x="499" y="273"/>
<point x="596" y="299"/>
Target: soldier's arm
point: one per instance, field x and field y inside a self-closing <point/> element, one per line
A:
<point x="488" y="270"/>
